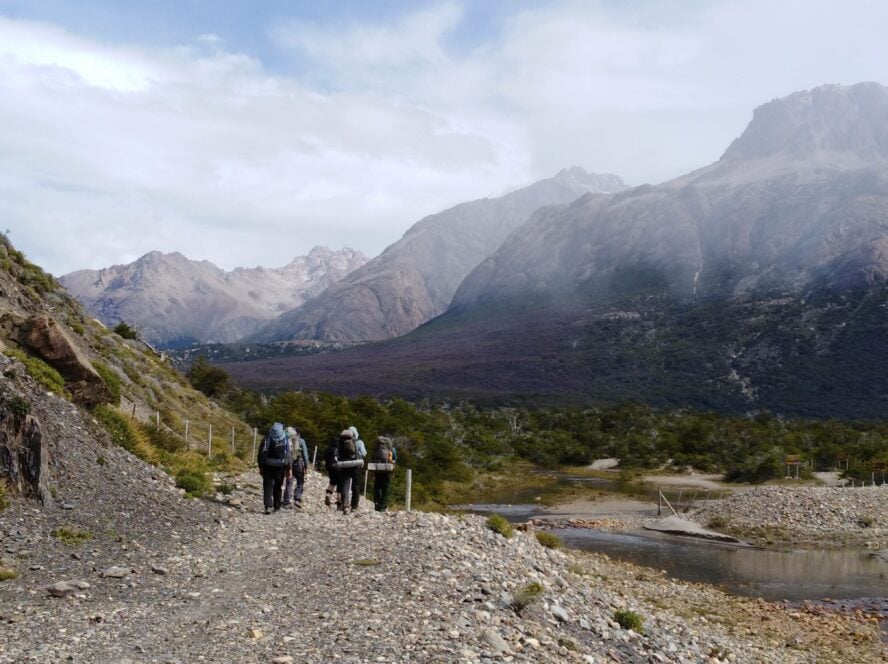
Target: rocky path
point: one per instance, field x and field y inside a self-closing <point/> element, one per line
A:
<point x="229" y="584"/>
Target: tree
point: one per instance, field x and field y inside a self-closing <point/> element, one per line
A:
<point x="210" y="380"/>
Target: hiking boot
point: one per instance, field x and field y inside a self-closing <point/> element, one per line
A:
<point x="268" y="510"/>
<point x="327" y="500"/>
<point x="299" y="504"/>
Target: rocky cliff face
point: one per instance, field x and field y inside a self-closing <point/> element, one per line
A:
<point x="414" y="279"/>
<point x="800" y="198"/>
<point x="172" y="299"/>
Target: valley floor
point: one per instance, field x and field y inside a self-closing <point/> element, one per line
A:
<point x="203" y="581"/>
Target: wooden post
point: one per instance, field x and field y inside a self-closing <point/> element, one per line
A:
<point x="232" y="440"/>
<point x="678" y="502"/>
<point x="210" y="442"/>
<point x="659" y="503"/>
<point x="157" y="418"/>
<point x="665" y="500"/>
<point x="134" y="410"/>
<point x="409" y="486"/>
<point x="186" y="431"/>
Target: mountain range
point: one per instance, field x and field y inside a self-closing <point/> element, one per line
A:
<point x="175" y="301"/>
<point x="756" y="282"/>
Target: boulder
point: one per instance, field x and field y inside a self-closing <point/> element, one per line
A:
<point x="24" y="459"/>
<point x="46" y="339"/>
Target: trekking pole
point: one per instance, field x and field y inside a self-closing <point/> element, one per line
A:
<point x="346" y="499"/>
<point x="314" y="457"/>
<point x="366" y="474"/>
<point x="409" y="484"/>
<point x="255" y="433"/>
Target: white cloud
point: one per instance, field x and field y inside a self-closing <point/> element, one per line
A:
<point x="108" y="151"/>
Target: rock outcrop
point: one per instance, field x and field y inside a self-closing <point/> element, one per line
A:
<point x="23" y="456"/>
<point x="47" y="340"/>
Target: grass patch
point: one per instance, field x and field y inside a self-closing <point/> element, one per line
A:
<point x="18" y="406"/>
<point x="526" y="595"/>
<point x="549" y="540"/>
<point x="40" y="371"/>
<point x="630" y="620"/>
<point x="866" y="521"/>
<point x="72" y="537"/>
<point x="110" y="378"/>
<point x="8" y="573"/>
<point x="4" y="502"/>
<point x="498" y="524"/>
<point x="126" y="433"/>
<point x="225" y="489"/>
<point x="717" y="523"/>
<point x="164" y="438"/>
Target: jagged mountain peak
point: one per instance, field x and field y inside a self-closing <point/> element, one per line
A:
<point x="830" y="118"/>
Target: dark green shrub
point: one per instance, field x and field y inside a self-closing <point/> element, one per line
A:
<point x="71" y="536"/>
<point x="18" y="406"/>
<point x="195" y="482"/>
<point x="630" y="620"/>
<point x="4" y="503"/>
<point x="498" y="524"/>
<point x="126" y="331"/>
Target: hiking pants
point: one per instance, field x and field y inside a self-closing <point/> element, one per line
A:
<point x="272" y="486"/>
<point x="300" y="484"/>
<point x="347" y="475"/>
<point x="382" y="484"/>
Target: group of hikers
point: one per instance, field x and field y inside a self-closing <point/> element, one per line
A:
<point x="283" y="462"/>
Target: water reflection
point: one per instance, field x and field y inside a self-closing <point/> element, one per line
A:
<point x="772" y="575"/>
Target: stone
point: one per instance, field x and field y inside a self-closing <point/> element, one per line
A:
<point x="492" y="637"/>
<point x="283" y="659"/>
<point x="560" y="613"/>
<point x="62" y="589"/>
<point x="115" y="572"/>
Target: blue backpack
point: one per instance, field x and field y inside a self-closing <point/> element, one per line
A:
<point x="276" y="448"/>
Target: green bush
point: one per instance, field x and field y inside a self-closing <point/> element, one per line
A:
<point x="18" y="406"/>
<point x="40" y="371"/>
<point x="7" y="573"/>
<point x="4" y="503"/>
<point x="210" y="380"/>
<point x="526" y="595"/>
<point x="126" y="331"/>
<point x="549" y="540"/>
<point x="195" y="482"/>
<point x="866" y="521"/>
<point x="498" y="524"/>
<point x="72" y="537"/>
<point x="630" y="620"/>
<point x="110" y="378"/>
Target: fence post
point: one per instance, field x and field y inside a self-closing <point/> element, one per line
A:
<point x="232" y="440"/>
<point x="186" y="431"/>
<point x="210" y="442"/>
<point x="157" y="418"/>
<point x="409" y="486"/>
<point x="666" y="500"/>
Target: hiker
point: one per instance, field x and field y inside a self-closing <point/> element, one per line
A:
<point x="385" y="453"/>
<point x="349" y="466"/>
<point x="358" y="486"/>
<point x="297" y="470"/>
<point x="332" y="473"/>
<point x="274" y="459"/>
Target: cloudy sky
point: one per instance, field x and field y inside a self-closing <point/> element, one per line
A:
<point x="246" y="132"/>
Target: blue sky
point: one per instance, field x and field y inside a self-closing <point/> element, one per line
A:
<point x="245" y="133"/>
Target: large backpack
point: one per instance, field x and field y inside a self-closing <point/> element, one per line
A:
<point x="347" y="450"/>
<point x="383" y="452"/>
<point x="276" y="446"/>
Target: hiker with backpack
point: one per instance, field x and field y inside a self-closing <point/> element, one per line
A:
<point x="384" y="455"/>
<point x="274" y="459"/>
<point x="297" y="470"/>
<point x="358" y="487"/>
<point x="349" y="467"/>
<point x="330" y="462"/>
